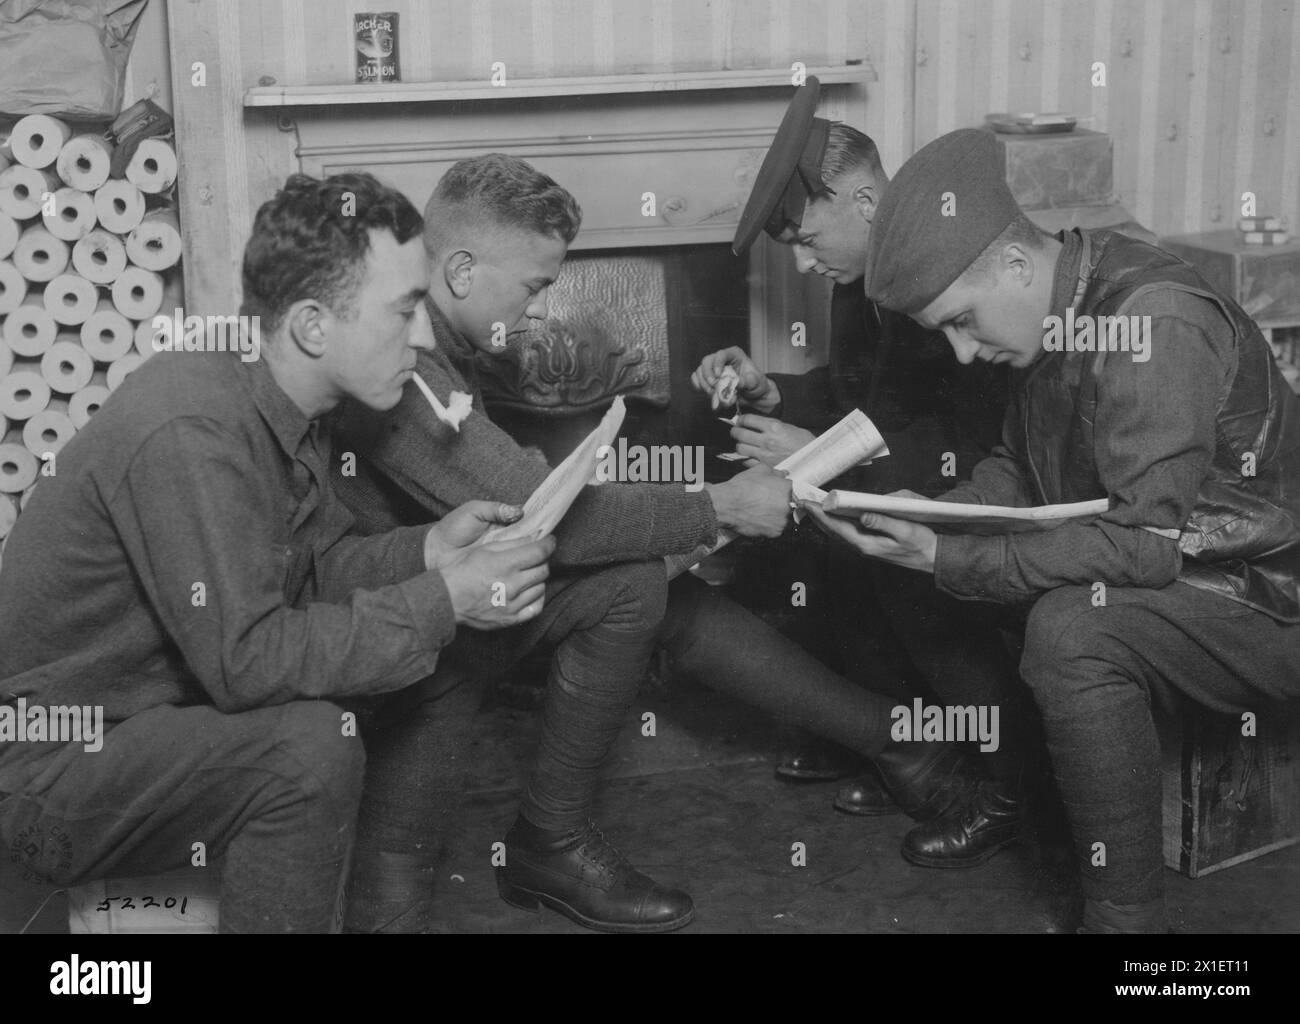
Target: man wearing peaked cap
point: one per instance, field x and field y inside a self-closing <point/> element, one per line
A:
<point x="1141" y="385"/>
<point x="817" y="193"/>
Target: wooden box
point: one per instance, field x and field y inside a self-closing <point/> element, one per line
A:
<point x="1059" y="169"/>
<point x="1263" y="279"/>
<point x="1228" y="798"/>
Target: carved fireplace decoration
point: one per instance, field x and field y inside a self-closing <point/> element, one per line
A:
<point x="606" y="334"/>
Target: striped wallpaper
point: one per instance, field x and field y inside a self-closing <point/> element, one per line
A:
<point x="1202" y="96"/>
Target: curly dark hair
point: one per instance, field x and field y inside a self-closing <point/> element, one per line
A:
<point x="500" y="191"/>
<point x="311" y="241"/>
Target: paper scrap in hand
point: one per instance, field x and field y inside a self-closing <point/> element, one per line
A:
<point x="547" y="505"/>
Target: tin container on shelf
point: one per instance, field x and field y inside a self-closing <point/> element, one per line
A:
<point x="377" y="50"/>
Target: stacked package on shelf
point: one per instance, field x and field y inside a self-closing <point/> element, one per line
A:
<point x="1262" y="231"/>
<point x="89" y="252"/>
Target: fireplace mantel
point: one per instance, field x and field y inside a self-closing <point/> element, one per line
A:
<point x="654" y="160"/>
<point x="532" y="88"/>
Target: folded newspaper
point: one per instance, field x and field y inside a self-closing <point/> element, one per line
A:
<point x="853" y="441"/>
<point x="547" y="505"/>
<point x="959" y="517"/>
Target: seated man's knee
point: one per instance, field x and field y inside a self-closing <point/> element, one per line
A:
<point x="641" y="591"/>
<point x="1066" y="628"/>
<point x="321" y="743"/>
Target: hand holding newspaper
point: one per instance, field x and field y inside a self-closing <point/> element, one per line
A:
<point x="853" y="441"/>
<point x="547" y="505"/>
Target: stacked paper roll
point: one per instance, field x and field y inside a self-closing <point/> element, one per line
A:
<point x="30" y="330"/>
<point x="67" y="367"/>
<point x="9" y="233"/>
<point x="86" y="262"/>
<point x="119" y="205"/>
<point x="23" y="394"/>
<point x="84" y="162"/>
<point x="107" y="335"/>
<point x="85" y="403"/>
<point x="138" y="293"/>
<point x="13" y="287"/>
<point x="156" y="243"/>
<point x="99" y="257"/>
<point x="18" y="466"/>
<point x="47" y="432"/>
<point x="39" y="256"/>
<point x="70" y="299"/>
<point x="153" y="167"/>
<point x="37" y="139"/>
<point x="23" y="190"/>
<point x="70" y="215"/>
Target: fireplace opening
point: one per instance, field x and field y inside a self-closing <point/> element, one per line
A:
<point x="632" y="322"/>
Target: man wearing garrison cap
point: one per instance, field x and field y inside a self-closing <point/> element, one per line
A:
<point x="1174" y="410"/>
<point x="817" y="193"/>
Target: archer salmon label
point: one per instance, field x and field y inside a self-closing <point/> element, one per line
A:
<point x="376" y="36"/>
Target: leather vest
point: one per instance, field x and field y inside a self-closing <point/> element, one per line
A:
<point x="1242" y="538"/>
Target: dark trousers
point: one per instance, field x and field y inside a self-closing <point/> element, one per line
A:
<point x="273" y="791"/>
<point x="1097" y="672"/>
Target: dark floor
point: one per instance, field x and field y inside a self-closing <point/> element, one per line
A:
<point x="697" y="806"/>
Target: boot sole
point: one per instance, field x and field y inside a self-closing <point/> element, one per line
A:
<point x="924" y="861"/>
<point x="531" y="900"/>
<point x="866" y="812"/>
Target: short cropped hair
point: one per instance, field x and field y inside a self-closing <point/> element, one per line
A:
<point x="1021" y="231"/>
<point x="499" y="191"/>
<point x="311" y="240"/>
<point x="847" y="150"/>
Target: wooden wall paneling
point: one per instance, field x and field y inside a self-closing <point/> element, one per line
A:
<point x="210" y="144"/>
<point x="887" y="35"/>
<point x="1287" y="119"/>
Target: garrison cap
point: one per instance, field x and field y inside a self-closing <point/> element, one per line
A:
<point x="791" y="171"/>
<point x="945" y="206"/>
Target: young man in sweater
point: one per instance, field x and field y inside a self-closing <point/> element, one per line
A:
<point x="188" y="571"/>
<point x="497" y="231"/>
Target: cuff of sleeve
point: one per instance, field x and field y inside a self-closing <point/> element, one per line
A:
<point x="967" y="566"/>
<point x="433" y="619"/>
<point x="407" y="552"/>
<point x="679" y="525"/>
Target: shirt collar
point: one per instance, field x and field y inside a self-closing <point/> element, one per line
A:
<point x="285" y="419"/>
<point x="1065" y="283"/>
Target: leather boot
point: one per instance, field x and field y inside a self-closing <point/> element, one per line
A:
<point x="581" y="875"/>
<point x="971" y="834"/>
<point x="925" y="779"/>
<point x="866" y="795"/>
<point x="392" y="893"/>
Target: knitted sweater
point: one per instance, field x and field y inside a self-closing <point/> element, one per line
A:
<point x="412" y="468"/>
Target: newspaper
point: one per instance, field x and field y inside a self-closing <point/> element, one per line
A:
<point x="961" y="518"/>
<point x="853" y="441"/>
<point x="547" y="505"/>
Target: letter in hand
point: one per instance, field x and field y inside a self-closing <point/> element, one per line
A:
<point x="767" y="440"/>
<point x="498" y="585"/>
<point x="753" y="388"/>
<point x="462" y="526"/>
<point x="755" y="503"/>
<point x="911" y="545"/>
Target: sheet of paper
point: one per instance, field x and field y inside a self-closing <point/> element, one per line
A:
<point x="547" y="505"/>
<point x="961" y="518"/>
<point x="853" y="441"/>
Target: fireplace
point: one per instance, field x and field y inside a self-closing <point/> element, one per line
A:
<point x="634" y="323"/>
<point x="662" y="167"/>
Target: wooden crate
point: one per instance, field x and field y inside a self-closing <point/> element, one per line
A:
<point x="1263" y="279"/>
<point x="1228" y="798"/>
